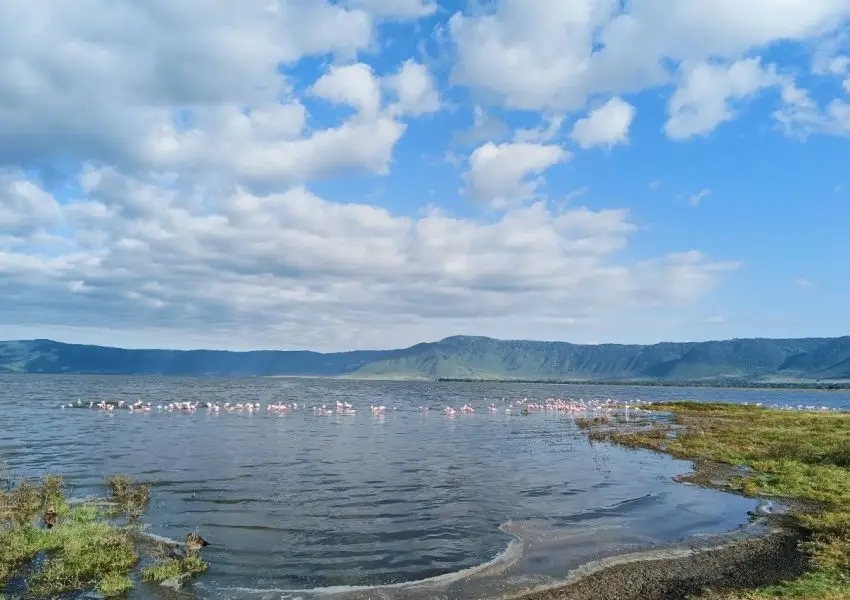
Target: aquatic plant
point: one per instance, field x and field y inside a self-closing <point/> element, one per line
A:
<point x="131" y="497"/>
<point x="54" y="549"/>
<point x="174" y="568"/>
<point x="788" y="454"/>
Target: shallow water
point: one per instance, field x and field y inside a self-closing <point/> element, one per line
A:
<point x="303" y="502"/>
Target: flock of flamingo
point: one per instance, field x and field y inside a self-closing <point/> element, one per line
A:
<point x="523" y="406"/>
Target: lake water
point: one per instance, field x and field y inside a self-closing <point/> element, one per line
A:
<point x="299" y="505"/>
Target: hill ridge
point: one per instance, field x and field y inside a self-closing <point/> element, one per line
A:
<point x="464" y="356"/>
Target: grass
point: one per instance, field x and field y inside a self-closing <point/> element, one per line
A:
<point x="174" y="568"/>
<point x="131" y="498"/>
<point x="788" y="454"/>
<point x="76" y="549"/>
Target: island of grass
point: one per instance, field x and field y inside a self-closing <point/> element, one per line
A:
<point x="49" y="547"/>
<point x="802" y="458"/>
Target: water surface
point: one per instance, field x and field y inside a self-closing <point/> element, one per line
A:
<point x="304" y="502"/>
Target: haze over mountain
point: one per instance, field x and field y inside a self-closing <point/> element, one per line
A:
<point x="756" y="360"/>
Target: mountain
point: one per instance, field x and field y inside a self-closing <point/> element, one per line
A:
<point x="753" y="360"/>
<point x="46" y="356"/>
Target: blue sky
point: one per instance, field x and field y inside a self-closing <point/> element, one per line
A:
<point x="375" y="173"/>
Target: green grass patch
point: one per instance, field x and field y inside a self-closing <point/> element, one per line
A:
<point x="812" y="586"/>
<point x="790" y="454"/>
<point x="79" y="548"/>
<point x="174" y="568"/>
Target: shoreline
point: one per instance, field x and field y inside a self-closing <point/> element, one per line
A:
<point x="733" y="449"/>
<point x="765" y="559"/>
<point x="727" y="562"/>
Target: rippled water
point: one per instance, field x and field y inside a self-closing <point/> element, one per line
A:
<point x="299" y="502"/>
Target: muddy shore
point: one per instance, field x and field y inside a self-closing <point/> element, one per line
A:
<point x="760" y="560"/>
<point x="744" y="564"/>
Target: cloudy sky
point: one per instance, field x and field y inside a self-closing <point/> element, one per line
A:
<point x="374" y="173"/>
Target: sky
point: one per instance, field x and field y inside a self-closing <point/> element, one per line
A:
<point x="347" y="174"/>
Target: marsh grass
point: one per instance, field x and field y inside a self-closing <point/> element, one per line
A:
<point x="588" y="422"/>
<point x="174" y="568"/>
<point x="78" y="548"/>
<point x="131" y="498"/>
<point x="790" y="454"/>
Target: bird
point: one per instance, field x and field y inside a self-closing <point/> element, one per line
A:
<point x="50" y="517"/>
<point x="195" y="543"/>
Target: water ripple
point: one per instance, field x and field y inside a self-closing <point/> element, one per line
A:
<point x="299" y="501"/>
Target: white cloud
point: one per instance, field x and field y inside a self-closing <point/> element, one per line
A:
<point x="702" y="100"/>
<point x="506" y="174"/>
<point x="231" y="267"/>
<point x="183" y="140"/>
<point x="415" y="89"/>
<point x="802" y="282"/>
<point x="485" y="127"/>
<point x="607" y="125"/>
<point x="25" y="208"/>
<point x="800" y="116"/>
<point x="116" y="72"/>
<point x="695" y="199"/>
<point x="355" y="85"/>
<point x="538" y="54"/>
<point x="229" y="142"/>
<point x="397" y="9"/>
<point x="543" y="134"/>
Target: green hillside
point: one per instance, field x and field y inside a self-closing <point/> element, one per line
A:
<point x="808" y="359"/>
<point x="752" y="359"/>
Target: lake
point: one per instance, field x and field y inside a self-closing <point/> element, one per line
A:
<point x="300" y="505"/>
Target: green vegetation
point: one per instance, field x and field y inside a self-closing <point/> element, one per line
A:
<point x="821" y="363"/>
<point x="174" y="568"/>
<point x="53" y="548"/>
<point x="788" y="454"/>
<point x="814" y="586"/>
<point x="130" y="497"/>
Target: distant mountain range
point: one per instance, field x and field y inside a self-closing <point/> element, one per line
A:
<point x="464" y="357"/>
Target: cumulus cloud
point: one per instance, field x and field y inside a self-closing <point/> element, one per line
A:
<point x="354" y="85"/>
<point x="702" y="100"/>
<point x="115" y="73"/>
<point x="159" y="165"/>
<point x="292" y="266"/>
<point x="25" y="208"/>
<point x="397" y="9"/>
<point x="538" y="54"/>
<point x="506" y="174"/>
<point x="415" y="90"/>
<point x="607" y="125"/>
